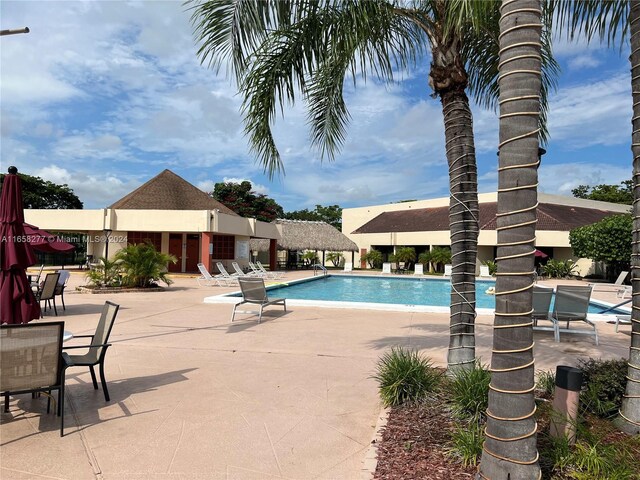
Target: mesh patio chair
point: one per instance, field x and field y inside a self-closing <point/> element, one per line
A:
<point x="61" y="285"/>
<point x="35" y="282"/>
<point x="571" y="306"/>
<point x="541" y="305"/>
<point x="97" y="348"/>
<point x="31" y="361"/>
<point x="47" y="292"/>
<point x="254" y="292"/>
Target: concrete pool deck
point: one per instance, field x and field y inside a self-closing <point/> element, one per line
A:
<point x="195" y="397"/>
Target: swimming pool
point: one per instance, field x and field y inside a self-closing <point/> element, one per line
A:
<point x="389" y="293"/>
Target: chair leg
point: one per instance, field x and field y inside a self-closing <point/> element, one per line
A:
<point x="54" y="306"/>
<point x="233" y="315"/>
<point x="93" y="377"/>
<point x="104" y="382"/>
<point x="6" y="403"/>
<point x="61" y="407"/>
<point x="62" y="299"/>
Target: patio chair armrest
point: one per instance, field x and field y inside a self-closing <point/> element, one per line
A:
<point x="86" y="346"/>
<point x="83" y="336"/>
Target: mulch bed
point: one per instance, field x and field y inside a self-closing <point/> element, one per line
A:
<point x="414" y="444"/>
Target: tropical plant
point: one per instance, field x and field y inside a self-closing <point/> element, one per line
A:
<point x="142" y="265"/>
<point x="310" y="257"/>
<point x="493" y="268"/>
<point x="438" y="256"/>
<point x="404" y="375"/>
<point x="466" y="443"/>
<point x="509" y="450"/>
<point x="615" y="21"/>
<point x="559" y="268"/>
<point x="406" y="255"/>
<point x="105" y="273"/>
<point x="374" y="258"/>
<point x="604" y="385"/>
<point x="335" y="258"/>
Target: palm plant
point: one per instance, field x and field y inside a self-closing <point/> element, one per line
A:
<point x="510" y="450"/>
<point x="335" y="258"/>
<point x="614" y="21"/>
<point x="282" y="50"/>
<point x="405" y="255"/>
<point x="106" y="273"/>
<point x="142" y="265"/>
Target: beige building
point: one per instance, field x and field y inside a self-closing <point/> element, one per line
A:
<point x="424" y="224"/>
<point x="177" y="217"/>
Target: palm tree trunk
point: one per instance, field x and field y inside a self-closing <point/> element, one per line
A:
<point x="449" y="79"/>
<point x="463" y="224"/>
<point x="629" y="420"/>
<point x="509" y="450"/>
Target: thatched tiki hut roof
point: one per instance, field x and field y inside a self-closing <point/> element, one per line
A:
<point x="306" y="235"/>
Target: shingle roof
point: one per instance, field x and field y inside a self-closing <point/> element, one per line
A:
<point x="550" y="217"/>
<point x="307" y="235"/>
<point x="168" y="191"/>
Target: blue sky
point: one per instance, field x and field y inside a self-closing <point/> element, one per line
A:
<point x="105" y="95"/>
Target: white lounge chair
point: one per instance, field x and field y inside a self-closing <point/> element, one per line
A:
<point x="484" y="271"/>
<point x="386" y="268"/>
<point x="207" y="280"/>
<point x="448" y="270"/>
<point x="254" y="291"/>
<point x="231" y="279"/>
<point x="348" y="267"/>
<point x="269" y="273"/>
<point x="615" y="285"/>
<point x="419" y="269"/>
<point x="240" y="272"/>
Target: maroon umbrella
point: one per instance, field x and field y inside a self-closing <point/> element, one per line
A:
<point x="43" y="241"/>
<point x="540" y="254"/>
<point x="17" y="302"/>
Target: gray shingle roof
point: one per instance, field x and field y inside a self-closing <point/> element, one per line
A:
<point x="550" y="217"/>
<point x="168" y="191"/>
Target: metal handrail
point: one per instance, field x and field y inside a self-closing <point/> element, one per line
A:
<point x="315" y="269"/>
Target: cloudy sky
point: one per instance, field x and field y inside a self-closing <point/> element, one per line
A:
<point x="104" y="95"/>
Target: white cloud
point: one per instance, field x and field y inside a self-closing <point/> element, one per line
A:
<point x="560" y="179"/>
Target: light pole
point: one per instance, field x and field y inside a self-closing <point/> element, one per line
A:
<point x="106" y="232"/>
<point x="14" y="31"/>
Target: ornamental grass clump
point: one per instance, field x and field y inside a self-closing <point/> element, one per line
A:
<point x="405" y="376"/>
<point x="469" y="390"/>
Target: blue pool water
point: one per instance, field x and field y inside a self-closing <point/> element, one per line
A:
<point x="390" y="290"/>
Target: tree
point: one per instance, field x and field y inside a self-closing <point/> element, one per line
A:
<point x="608" y="240"/>
<point x="335" y="258"/>
<point x="613" y="21"/>
<point x="374" y="258"/>
<point x="331" y="215"/>
<point x="39" y="193"/>
<point x="606" y="193"/>
<point x="406" y="255"/>
<point x="509" y="450"/>
<point x="240" y="198"/>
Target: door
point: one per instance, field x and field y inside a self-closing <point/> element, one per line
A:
<point x="193" y="253"/>
<point x="175" y="248"/>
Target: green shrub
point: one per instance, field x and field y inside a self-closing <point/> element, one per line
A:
<point x="335" y="258"/>
<point x="373" y="257"/>
<point x="142" y="265"/>
<point x="604" y="385"/>
<point x="470" y="392"/>
<point x="404" y="376"/>
<point x="559" y="268"/>
<point x="310" y="257"/>
<point x="546" y="383"/>
<point x="466" y="443"/>
<point x="493" y="266"/>
<point x="106" y="273"/>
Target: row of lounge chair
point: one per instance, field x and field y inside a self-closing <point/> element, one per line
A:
<point x="225" y="279"/>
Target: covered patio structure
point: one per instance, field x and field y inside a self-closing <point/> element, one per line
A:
<point x="301" y="235"/>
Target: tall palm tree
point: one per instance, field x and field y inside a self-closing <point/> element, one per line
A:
<point x="613" y="21"/>
<point x="510" y="445"/>
<point x="281" y="48"/>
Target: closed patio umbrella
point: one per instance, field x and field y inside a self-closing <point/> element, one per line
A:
<point x="17" y="302"/>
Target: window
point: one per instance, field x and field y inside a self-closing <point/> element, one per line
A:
<point x="224" y="247"/>
<point x="134" y="238"/>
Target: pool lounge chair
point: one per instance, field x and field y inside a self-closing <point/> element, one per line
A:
<point x="242" y="273"/>
<point x="254" y="292"/>
<point x="615" y="285"/>
<point x="448" y="270"/>
<point x="571" y="306"/>
<point x="348" y="267"/>
<point x="386" y="268"/>
<point x="207" y="280"/>
<point x="231" y="279"/>
<point x="419" y="269"/>
<point x="484" y="271"/>
<point x="269" y="273"/>
<point x="541" y="305"/>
